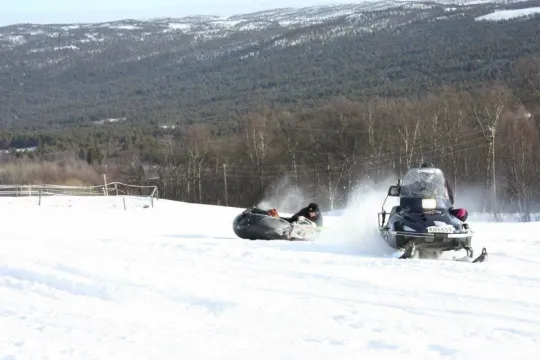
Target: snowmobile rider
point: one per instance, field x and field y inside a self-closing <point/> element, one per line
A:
<point x="460" y="213"/>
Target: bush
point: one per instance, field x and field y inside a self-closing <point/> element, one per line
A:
<point x="72" y="173"/>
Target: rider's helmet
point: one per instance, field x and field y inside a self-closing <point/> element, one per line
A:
<point x="426" y="165"/>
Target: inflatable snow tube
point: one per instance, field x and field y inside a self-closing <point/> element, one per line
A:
<point x="255" y="226"/>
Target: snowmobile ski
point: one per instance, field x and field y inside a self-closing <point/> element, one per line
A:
<point x="482" y="258"/>
<point x="410" y="251"/>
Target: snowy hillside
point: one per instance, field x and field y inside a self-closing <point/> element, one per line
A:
<point x="89" y="280"/>
<point x="501" y="15"/>
<point x="266" y="25"/>
<point x="210" y="65"/>
<point x="71" y="39"/>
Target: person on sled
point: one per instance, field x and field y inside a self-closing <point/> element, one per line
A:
<point x="460" y="213"/>
<point x="310" y="212"/>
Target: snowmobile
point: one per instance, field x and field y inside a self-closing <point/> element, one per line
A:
<point x="421" y="224"/>
<point x="257" y="226"/>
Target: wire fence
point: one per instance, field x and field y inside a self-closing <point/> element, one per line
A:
<point x="149" y="192"/>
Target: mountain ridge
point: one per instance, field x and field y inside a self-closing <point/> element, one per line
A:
<point x="202" y="67"/>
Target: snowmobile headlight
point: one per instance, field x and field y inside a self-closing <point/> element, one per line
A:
<point x="429" y="203"/>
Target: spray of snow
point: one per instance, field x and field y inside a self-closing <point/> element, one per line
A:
<point x="356" y="231"/>
<point x="285" y="197"/>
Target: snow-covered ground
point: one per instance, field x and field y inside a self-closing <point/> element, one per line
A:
<point x="500" y="15"/>
<point x="90" y="280"/>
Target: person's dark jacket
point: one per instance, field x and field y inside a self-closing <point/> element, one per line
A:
<point x="318" y="219"/>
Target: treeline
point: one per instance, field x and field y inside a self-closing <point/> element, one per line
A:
<point x="488" y="140"/>
<point x="485" y="140"/>
<point x="111" y="140"/>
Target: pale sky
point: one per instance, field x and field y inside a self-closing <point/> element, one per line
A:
<point x="70" y="11"/>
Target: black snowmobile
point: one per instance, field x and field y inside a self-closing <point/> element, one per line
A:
<point x="421" y="223"/>
<point x="255" y="225"/>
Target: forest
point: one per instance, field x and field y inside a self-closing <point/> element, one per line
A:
<point x="487" y="141"/>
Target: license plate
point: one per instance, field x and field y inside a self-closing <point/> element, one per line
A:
<point x="441" y="229"/>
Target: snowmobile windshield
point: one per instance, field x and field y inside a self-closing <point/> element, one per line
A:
<point x="424" y="183"/>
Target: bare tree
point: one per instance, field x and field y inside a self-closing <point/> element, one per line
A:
<point x="196" y="153"/>
<point x="522" y="160"/>
<point x="257" y="137"/>
<point x="409" y="129"/>
<point x="488" y="110"/>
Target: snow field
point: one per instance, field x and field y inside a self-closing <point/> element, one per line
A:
<point x="93" y="281"/>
